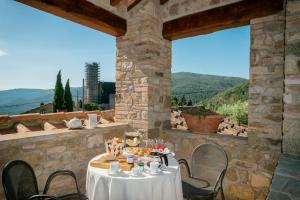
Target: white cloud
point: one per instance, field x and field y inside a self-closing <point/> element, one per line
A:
<point x="2" y="53"/>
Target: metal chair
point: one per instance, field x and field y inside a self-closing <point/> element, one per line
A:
<point x="205" y="177"/>
<point x="20" y="183"/>
<point x="72" y="196"/>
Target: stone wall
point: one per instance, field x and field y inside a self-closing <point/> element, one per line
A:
<point x="47" y="151"/>
<point x="177" y="8"/>
<point x="291" y="122"/>
<point x="250" y="166"/>
<point x="143" y="71"/>
<point x="266" y="77"/>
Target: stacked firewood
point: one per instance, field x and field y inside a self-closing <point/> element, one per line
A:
<point x="231" y="127"/>
<point x="177" y="120"/>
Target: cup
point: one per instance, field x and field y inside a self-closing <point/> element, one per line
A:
<point x="135" y="170"/>
<point x="92" y="123"/>
<point x="154" y="166"/>
<point x="130" y="158"/>
<point x="114" y="167"/>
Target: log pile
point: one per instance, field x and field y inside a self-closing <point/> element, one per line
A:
<point x="177" y="120"/>
<point x="230" y="127"/>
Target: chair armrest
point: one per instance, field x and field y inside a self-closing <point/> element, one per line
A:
<point x="185" y="163"/>
<point x="60" y="173"/>
<point x="42" y="197"/>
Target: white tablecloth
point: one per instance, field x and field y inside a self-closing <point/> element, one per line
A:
<point x="164" y="186"/>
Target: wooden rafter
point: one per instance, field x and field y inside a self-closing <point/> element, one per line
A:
<point x="228" y="16"/>
<point x="82" y="12"/>
<point x="162" y="2"/>
<point x="132" y="4"/>
<point x="114" y="2"/>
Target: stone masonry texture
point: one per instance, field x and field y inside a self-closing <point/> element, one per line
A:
<point x="143" y="71"/>
<point x="291" y="122"/>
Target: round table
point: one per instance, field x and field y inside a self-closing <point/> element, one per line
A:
<point x="164" y="186"/>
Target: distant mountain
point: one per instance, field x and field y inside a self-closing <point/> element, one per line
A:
<point x="229" y="96"/>
<point x="199" y="87"/>
<point x="20" y="100"/>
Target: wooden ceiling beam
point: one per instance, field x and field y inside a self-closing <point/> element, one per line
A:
<point x="162" y="2"/>
<point x="82" y="12"/>
<point x="114" y="2"/>
<point x="132" y="4"/>
<point x="228" y="16"/>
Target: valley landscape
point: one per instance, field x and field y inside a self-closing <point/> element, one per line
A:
<point x="199" y="88"/>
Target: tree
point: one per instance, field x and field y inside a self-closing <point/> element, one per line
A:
<point x="174" y="102"/>
<point x="190" y="103"/>
<point x="68" y="102"/>
<point x="58" y="99"/>
<point x="182" y="101"/>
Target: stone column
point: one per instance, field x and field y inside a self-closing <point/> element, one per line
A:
<point x="291" y="122"/>
<point x="266" y="82"/>
<point x="143" y="71"/>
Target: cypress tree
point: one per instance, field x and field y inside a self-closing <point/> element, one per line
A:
<point x="58" y="99"/>
<point x="68" y="101"/>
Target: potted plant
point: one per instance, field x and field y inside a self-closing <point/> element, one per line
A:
<point x="201" y="120"/>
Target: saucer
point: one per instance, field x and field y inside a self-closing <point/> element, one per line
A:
<point x="114" y="172"/>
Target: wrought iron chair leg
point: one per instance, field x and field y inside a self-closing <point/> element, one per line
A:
<point x="222" y="194"/>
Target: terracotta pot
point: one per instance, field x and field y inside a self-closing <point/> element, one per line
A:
<point x="203" y="124"/>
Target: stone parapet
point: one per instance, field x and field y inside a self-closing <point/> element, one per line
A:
<point x="36" y="121"/>
<point x="47" y="151"/>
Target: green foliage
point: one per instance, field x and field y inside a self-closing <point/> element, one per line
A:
<point x="237" y="111"/>
<point x="190" y="103"/>
<point x="58" y="99"/>
<point x="230" y="96"/>
<point x="232" y="103"/>
<point x="199" y="87"/>
<point x="182" y="101"/>
<point x="174" y="102"/>
<point x="68" y="101"/>
<point x="91" y="106"/>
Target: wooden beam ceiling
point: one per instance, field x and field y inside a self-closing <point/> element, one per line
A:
<point x="82" y="12"/>
<point x="228" y="16"/>
<point x="162" y="2"/>
<point x="114" y="2"/>
<point x="132" y="4"/>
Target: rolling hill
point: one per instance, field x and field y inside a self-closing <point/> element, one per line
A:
<point x="199" y="87"/>
<point x="20" y="100"/>
<point x="229" y="96"/>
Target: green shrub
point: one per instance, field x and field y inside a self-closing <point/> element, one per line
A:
<point x="91" y="106"/>
<point x="237" y="111"/>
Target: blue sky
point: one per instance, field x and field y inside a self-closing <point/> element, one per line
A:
<point x="34" y="45"/>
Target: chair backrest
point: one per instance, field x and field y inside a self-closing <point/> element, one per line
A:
<point x="208" y="162"/>
<point x="19" y="181"/>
